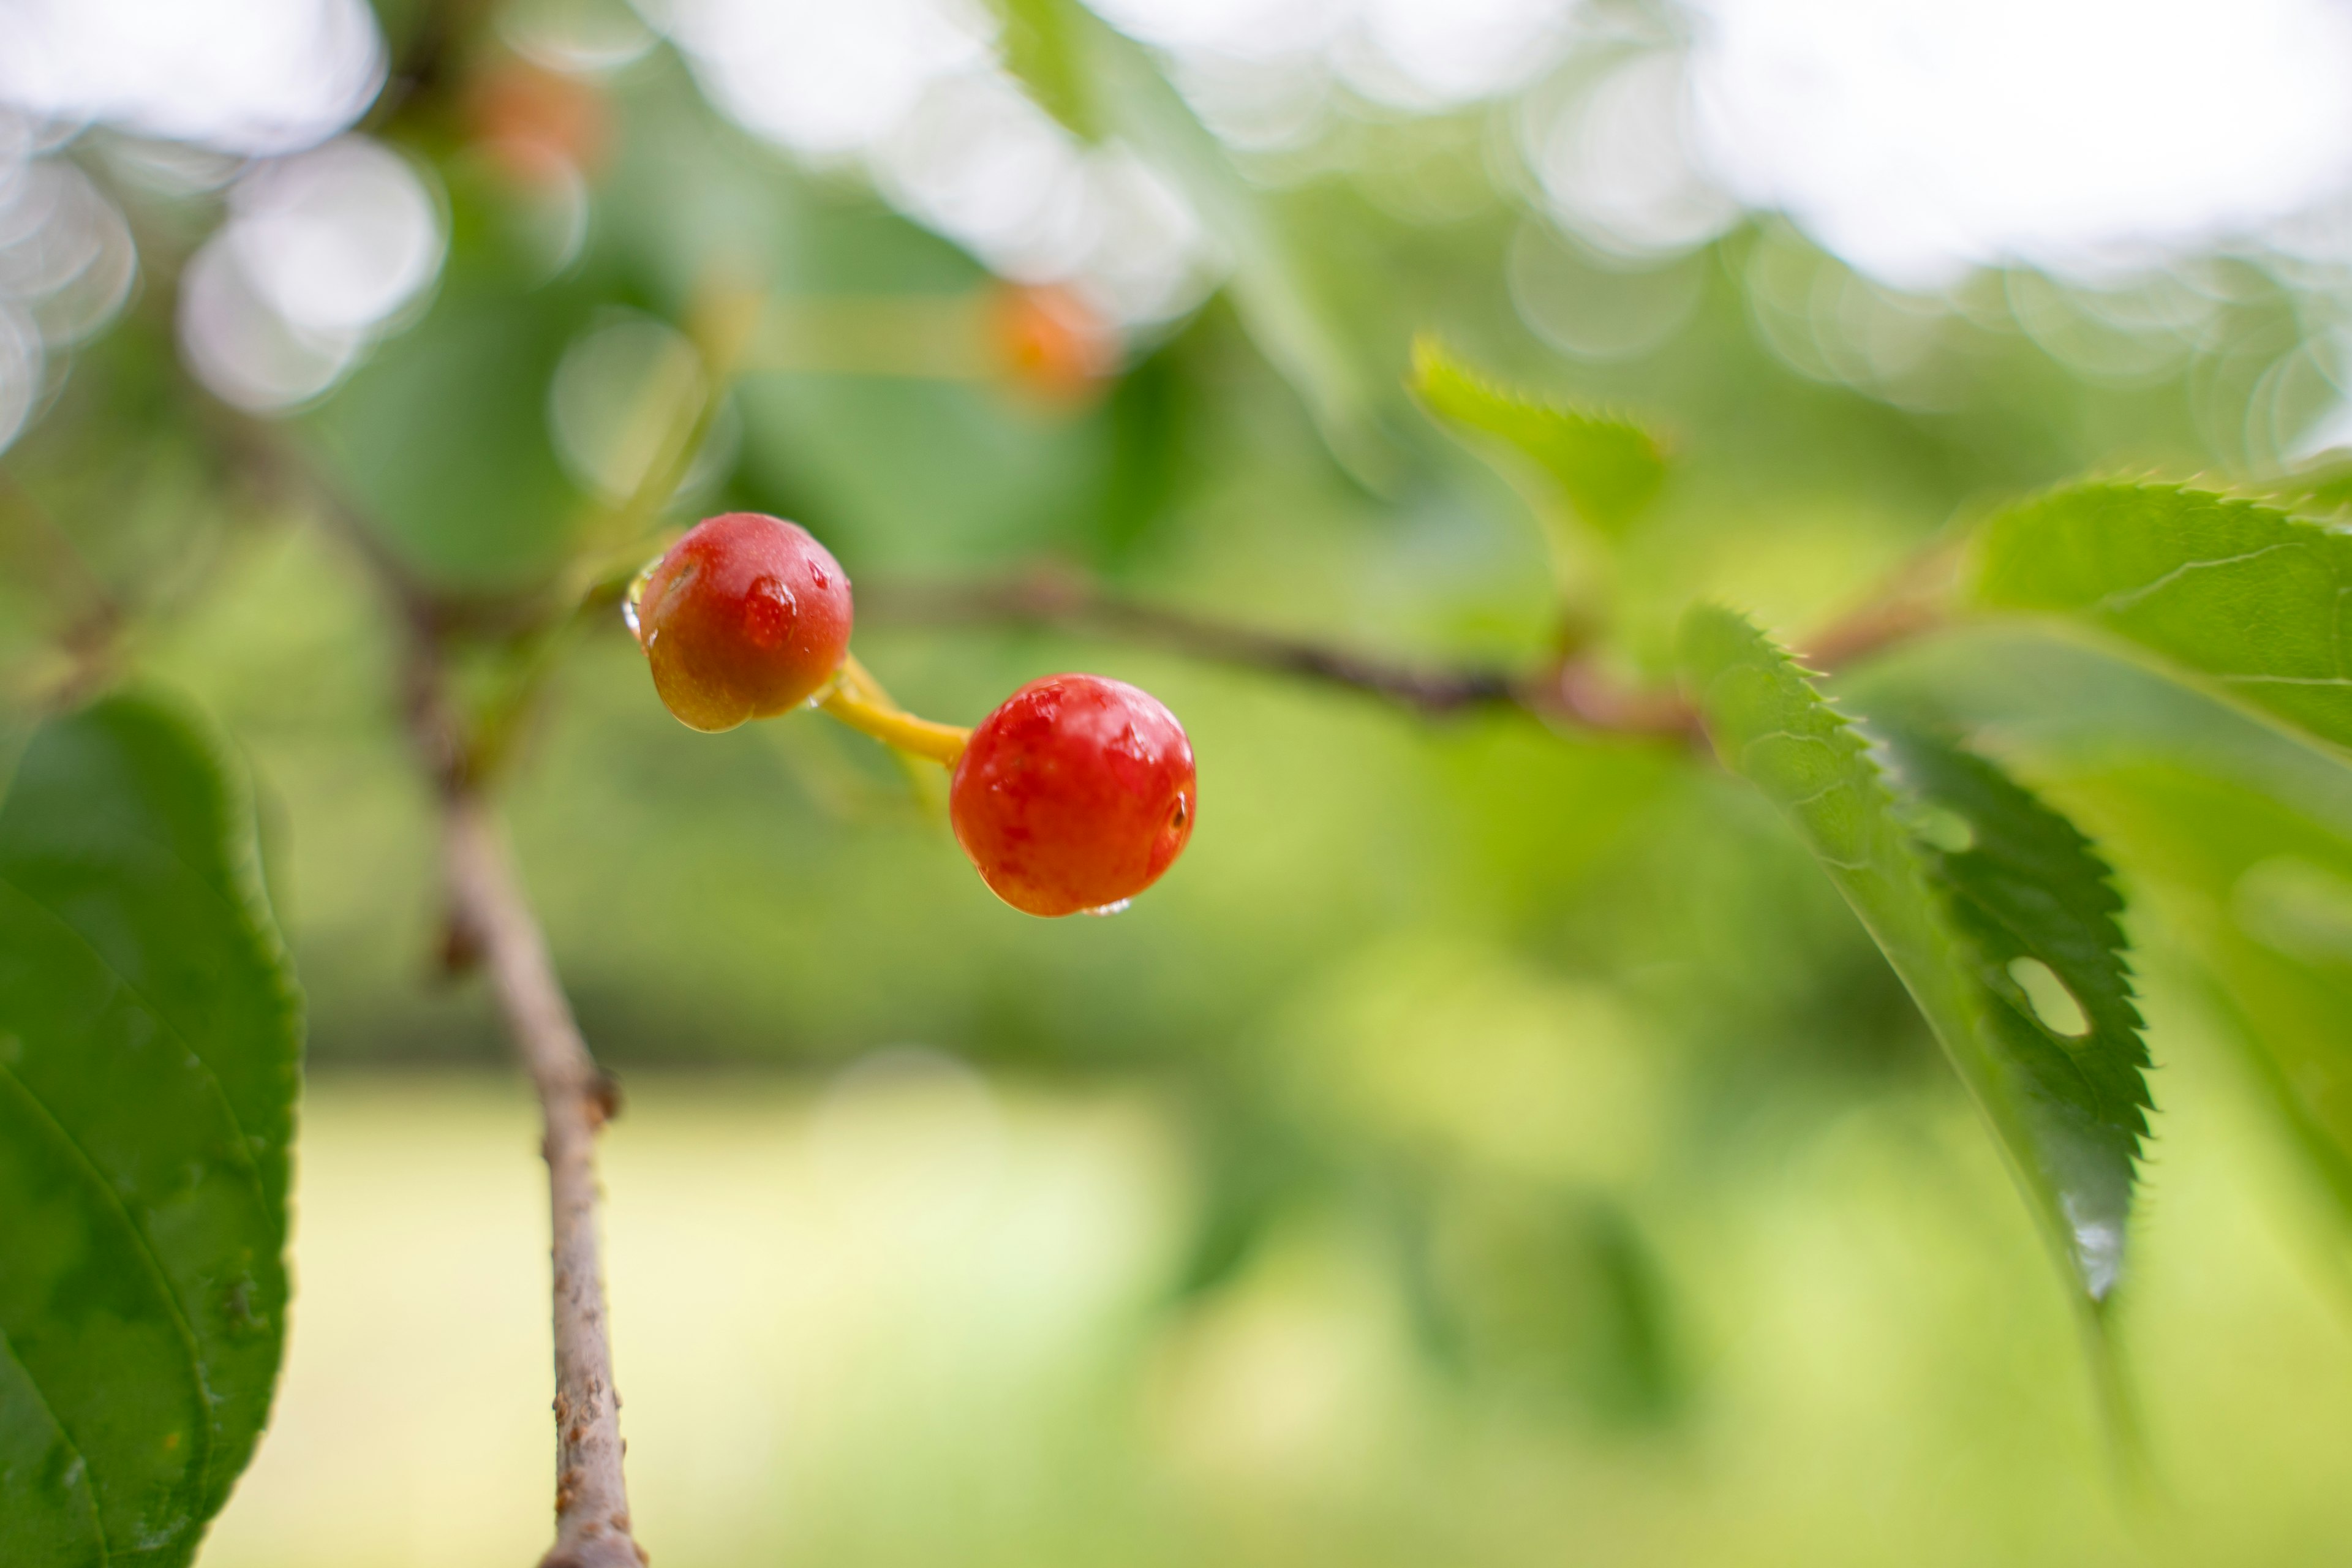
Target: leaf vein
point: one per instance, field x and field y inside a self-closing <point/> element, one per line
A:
<point x="2124" y="598"/>
<point x="96" y="1174"/>
<point x="89" y="1492"/>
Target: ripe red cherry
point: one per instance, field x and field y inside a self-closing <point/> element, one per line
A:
<point x="744" y="619"/>
<point x="1076" y="793"/>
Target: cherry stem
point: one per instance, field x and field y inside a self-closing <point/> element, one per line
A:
<point x="857" y="700"/>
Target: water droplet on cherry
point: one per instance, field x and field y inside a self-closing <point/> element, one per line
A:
<point x="768" y="611"/>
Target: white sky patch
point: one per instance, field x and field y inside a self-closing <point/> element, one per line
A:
<point x="1616" y="164"/>
<point x="1413" y="54"/>
<point x="825" y="79"/>
<point x="322" y="253"/>
<point x="1916" y="137"/>
<point x="338" y="238"/>
<point x="66" y="265"/>
<point x="1425" y="55"/>
<point x="245" y="76"/>
<point x="910" y="89"/>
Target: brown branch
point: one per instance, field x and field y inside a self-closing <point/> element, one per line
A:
<point x="491" y="917"/>
<point x="1575" y="692"/>
<point x="1911" y="601"/>
<point x="1066" y="600"/>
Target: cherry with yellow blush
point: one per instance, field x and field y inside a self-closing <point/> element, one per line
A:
<point x="746" y="616"/>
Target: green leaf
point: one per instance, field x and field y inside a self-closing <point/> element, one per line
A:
<point x="1103" y="85"/>
<point x="2236" y="834"/>
<point x="1045" y="49"/>
<point x="2324" y="488"/>
<point x="1601" y="469"/>
<point x="150" y="1037"/>
<point x="2234" y="593"/>
<point x="2027" y="890"/>
<point x="2019" y="878"/>
<point x="2263" y="894"/>
<point x="440" y="440"/>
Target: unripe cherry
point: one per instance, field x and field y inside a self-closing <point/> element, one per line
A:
<point x="745" y="618"/>
<point x="1074" y="794"/>
<point x="1051" y="344"/>
<point x="536" y="124"/>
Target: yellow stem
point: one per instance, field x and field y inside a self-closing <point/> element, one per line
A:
<point x="857" y="700"/>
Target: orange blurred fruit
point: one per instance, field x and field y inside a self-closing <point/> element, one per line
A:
<point x="1049" y="343"/>
<point x="534" y="122"/>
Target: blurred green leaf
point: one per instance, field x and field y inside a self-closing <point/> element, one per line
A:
<point x="1103" y="85"/>
<point x="1603" y="469"/>
<point x="1254" y="1169"/>
<point x="1045" y="49"/>
<point x="150" y="1037"/>
<point x="2234" y="592"/>
<point x="442" y="441"/>
<point x="1773" y="729"/>
<point x="2263" y="892"/>
<point x="1558" y="1293"/>
<point x="2326" y="487"/>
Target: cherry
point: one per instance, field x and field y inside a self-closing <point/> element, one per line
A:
<point x="1074" y="794"/>
<point x="745" y="618"/>
<point x="536" y="124"/>
<point x="1050" y="343"/>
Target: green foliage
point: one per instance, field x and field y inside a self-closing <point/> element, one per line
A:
<point x="2024" y="880"/>
<point x="1608" y="986"/>
<point x="1098" y="82"/>
<point x="2025" y="887"/>
<point x="1044" y="48"/>
<point x="441" y="443"/>
<point x="1604" y="469"/>
<point x="149" y="1044"/>
<point x="2262" y="890"/>
<point x="2234" y="592"/>
<point x="2324" y="490"/>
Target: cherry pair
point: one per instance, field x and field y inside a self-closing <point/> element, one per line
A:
<point x="1074" y="794"/>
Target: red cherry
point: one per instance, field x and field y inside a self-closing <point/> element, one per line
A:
<point x="744" y="619"/>
<point x="1074" y="794"/>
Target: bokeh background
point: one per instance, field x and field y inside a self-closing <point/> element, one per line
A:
<point x="1488" y="1146"/>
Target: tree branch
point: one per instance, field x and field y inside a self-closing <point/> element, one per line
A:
<point x="491" y="916"/>
<point x="1576" y="691"/>
<point x="1572" y="691"/>
<point x="1068" y="600"/>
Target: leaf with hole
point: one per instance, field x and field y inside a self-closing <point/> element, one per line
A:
<point x="2023" y="883"/>
<point x="149" y="1058"/>
<point x="2236" y="595"/>
<point x="2038" y="908"/>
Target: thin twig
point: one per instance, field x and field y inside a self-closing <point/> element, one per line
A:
<point x="1577" y="692"/>
<point x="1913" y="599"/>
<point x="592" y="1501"/>
<point x="491" y="917"/>
<point x="490" y="920"/>
<point x="1066" y="600"/>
